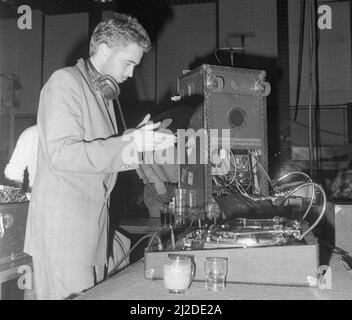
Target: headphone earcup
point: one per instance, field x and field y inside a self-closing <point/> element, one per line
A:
<point x="106" y="84"/>
<point x="109" y="87"/>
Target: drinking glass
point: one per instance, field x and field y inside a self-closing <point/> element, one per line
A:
<point x="192" y="200"/>
<point x="178" y="273"/>
<point x="180" y="207"/>
<point x="215" y="269"/>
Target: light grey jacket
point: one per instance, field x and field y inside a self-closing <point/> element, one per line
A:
<point x="79" y="156"/>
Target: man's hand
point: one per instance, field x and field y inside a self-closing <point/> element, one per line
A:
<point x="144" y="121"/>
<point x="146" y="139"/>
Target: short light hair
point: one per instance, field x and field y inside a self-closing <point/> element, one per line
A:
<point x="119" y="29"/>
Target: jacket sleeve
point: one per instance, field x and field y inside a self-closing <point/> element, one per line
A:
<point x="14" y="170"/>
<point x="20" y="157"/>
<point x="61" y="132"/>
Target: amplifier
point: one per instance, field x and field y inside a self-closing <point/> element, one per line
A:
<point x="234" y="99"/>
<point x="234" y="103"/>
<point x="13" y="218"/>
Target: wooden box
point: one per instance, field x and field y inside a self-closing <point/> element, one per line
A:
<point x="278" y="265"/>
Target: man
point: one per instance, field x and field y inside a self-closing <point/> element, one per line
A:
<point x="79" y="156"/>
<point x="24" y="157"/>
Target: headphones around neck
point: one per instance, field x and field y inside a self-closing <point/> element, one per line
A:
<point x="106" y="84"/>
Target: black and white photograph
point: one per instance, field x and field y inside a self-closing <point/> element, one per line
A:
<point x="175" y="154"/>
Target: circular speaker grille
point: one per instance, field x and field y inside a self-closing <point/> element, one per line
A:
<point x="237" y="118"/>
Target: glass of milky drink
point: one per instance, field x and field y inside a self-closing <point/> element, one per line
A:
<point x="178" y="272"/>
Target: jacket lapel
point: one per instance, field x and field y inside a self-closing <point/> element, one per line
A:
<point x="107" y="109"/>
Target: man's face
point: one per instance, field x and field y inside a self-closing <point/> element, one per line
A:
<point x="119" y="62"/>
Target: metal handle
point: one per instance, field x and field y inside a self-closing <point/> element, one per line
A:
<point x="262" y="87"/>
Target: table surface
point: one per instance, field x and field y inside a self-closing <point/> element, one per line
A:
<point x="130" y="284"/>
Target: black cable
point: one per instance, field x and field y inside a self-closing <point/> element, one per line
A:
<point x="300" y="54"/>
<point x="318" y="154"/>
<point x="236" y="194"/>
<point x="122" y="117"/>
<point x="112" y="272"/>
<point x="310" y="87"/>
<point x="302" y="106"/>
